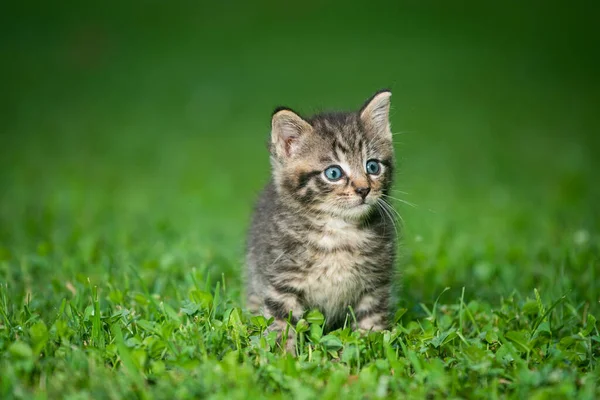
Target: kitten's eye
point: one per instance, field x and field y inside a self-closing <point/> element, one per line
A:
<point x="334" y="173"/>
<point x="373" y="167"/>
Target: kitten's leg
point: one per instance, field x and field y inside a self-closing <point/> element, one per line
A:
<point x="372" y="310"/>
<point x="253" y="303"/>
<point x="278" y="304"/>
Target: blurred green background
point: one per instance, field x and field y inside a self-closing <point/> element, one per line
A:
<point x="133" y="135"/>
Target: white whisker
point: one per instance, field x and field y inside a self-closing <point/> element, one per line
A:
<point x="384" y="207"/>
<point x="408" y="203"/>
<point x="392" y="209"/>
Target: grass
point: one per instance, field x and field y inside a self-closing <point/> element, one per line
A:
<point x="132" y="152"/>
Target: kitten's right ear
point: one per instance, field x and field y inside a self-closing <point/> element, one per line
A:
<point x="286" y="128"/>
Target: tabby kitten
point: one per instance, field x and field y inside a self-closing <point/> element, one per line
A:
<point x="322" y="235"/>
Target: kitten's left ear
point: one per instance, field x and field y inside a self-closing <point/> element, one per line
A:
<point x="375" y="114"/>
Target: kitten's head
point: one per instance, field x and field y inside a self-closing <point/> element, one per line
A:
<point x="338" y="163"/>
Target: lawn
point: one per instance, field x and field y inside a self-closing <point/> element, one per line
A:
<point x="132" y="148"/>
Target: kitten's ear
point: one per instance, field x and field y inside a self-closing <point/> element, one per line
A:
<point x="286" y="128"/>
<point x="375" y="114"/>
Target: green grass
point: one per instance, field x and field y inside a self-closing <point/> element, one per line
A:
<point x="132" y="150"/>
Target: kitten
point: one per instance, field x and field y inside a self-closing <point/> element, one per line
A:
<point x="322" y="235"/>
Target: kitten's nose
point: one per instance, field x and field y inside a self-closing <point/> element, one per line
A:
<point x="363" y="191"/>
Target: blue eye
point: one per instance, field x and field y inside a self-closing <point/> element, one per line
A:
<point x="334" y="173"/>
<point x="373" y="167"/>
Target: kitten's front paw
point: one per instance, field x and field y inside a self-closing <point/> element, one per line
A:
<point x="374" y="323"/>
<point x="290" y="344"/>
<point x="280" y="326"/>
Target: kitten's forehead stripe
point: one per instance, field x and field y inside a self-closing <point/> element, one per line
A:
<point x="338" y="153"/>
<point x="339" y="145"/>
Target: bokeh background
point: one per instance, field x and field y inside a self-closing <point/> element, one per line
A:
<point x="133" y="136"/>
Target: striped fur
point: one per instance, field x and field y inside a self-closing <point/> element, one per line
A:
<point x="314" y="243"/>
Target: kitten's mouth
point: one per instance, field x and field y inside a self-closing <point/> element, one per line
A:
<point x="353" y="208"/>
<point x="366" y="202"/>
<point x="358" y="210"/>
<point x="362" y="205"/>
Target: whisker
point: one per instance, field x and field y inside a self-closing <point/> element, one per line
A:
<point x="392" y="209"/>
<point x="384" y="207"/>
<point x="378" y="207"/>
<point x="402" y="133"/>
<point x="408" y="203"/>
<point x="395" y="221"/>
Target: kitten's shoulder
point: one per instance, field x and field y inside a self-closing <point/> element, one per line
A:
<point x="265" y="208"/>
<point x="267" y="200"/>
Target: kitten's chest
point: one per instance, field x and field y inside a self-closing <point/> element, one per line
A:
<point x="333" y="235"/>
<point x="336" y="256"/>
